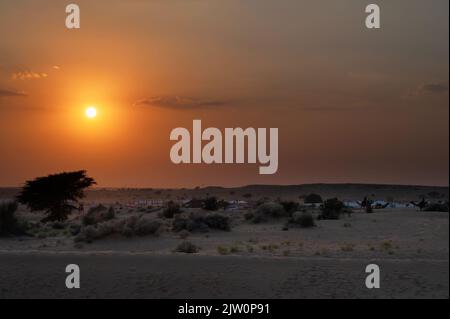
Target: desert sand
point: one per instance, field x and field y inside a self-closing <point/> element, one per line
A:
<point x="250" y="261"/>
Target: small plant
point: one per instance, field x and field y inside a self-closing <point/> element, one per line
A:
<point x="302" y="219"/>
<point x="98" y="214"/>
<point x="187" y="248"/>
<point x="223" y="250"/>
<point x="201" y="222"/>
<point x="218" y="221"/>
<point x="332" y="209"/>
<point x="145" y="226"/>
<point x="268" y="211"/>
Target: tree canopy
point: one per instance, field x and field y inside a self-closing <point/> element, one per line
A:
<point x="56" y="194"/>
<point x="313" y="199"/>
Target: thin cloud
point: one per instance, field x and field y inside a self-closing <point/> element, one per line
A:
<point x="12" y="93"/>
<point x="28" y="75"/>
<point x="178" y="102"/>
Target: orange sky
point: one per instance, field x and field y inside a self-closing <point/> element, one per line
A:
<point x="351" y="105"/>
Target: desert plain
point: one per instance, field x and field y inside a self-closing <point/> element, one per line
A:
<point x="271" y="258"/>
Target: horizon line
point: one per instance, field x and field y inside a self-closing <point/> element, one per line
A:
<point x="259" y="185"/>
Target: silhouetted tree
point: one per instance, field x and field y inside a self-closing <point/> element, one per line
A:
<point x="313" y="199"/>
<point x="56" y="194"/>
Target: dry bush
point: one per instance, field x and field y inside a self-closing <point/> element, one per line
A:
<point x="268" y="211"/>
<point x="145" y="226"/>
<point x="218" y="221"/>
<point x="187" y="248"/>
<point x="98" y="214"/>
<point x="199" y="222"/>
<point x="332" y="209"/>
<point x="132" y="226"/>
<point x="302" y="219"/>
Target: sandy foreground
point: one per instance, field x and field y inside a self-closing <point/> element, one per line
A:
<point x="41" y="275"/>
<point x="328" y="261"/>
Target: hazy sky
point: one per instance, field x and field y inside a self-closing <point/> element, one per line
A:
<point x="351" y="104"/>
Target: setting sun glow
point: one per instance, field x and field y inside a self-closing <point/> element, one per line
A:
<point x="91" y="112"/>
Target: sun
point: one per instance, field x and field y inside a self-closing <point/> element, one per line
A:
<point x="91" y="112"/>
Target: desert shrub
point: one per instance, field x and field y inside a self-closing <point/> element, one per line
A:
<point x="332" y="209"/>
<point x="258" y="219"/>
<point x="211" y="203"/>
<point x="268" y="211"/>
<point x="196" y="223"/>
<point x="98" y="214"/>
<point x="88" y="234"/>
<point x="145" y="226"/>
<point x="222" y="250"/>
<point x="302" y="219"/>
<point x="313" y="199"/>
<point x="437" y="207"/>
<point x="127" y="231"/>
<point x="9" y="224"/>
<point x="200" y="222"/>
<point x="218" y="221"/>
<point x="247" y="195"/>
<point x="131" y="221"/>
<point x="191" y="223"/>
<point x="95" y="232"/>
<point x="271" y="209"/>
<point x="179" y="223"/>
<point x="187" y="248"/>
<point x="134" y="225"/>
<point x="290" y="206"/>
<point x="171" y="210"/>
